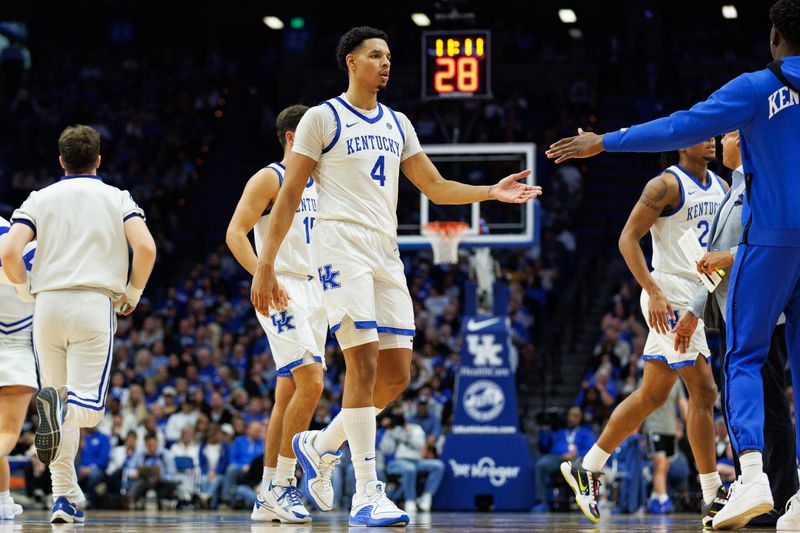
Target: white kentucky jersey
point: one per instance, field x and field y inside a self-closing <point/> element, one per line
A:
<point x="81" y="242"/>
<point x="358" y="154"/>
<point x="696" y="211"/>
<point x="294" y="255"/>
<point x="16" y="316"/>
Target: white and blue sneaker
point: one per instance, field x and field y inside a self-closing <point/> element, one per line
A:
<point x="375" y="509"/>
<point x="280" y="503"/>
<point x="65" y="512"/>
<point x="318" y="469"/>
<point x="48" y="435"/>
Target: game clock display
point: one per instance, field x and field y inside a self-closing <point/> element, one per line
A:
<point x="456" y="64"/>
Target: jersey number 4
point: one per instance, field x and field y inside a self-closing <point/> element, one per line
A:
<point x="378" y="172"/>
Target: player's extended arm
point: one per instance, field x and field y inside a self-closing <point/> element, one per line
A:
<point x="11" y="251"/>
<point x="265" y="291"/>
<point x="144" y="257"/>
<point x="729" y="108"/>
<point x="258" y="194"/>
<point x="426" y="177"/>
<point x="659" y="193"/>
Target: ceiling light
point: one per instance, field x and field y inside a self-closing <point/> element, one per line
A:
<point x="274" y="23"/>
<point x="729" y="12"/>
<point x="567" y="16"/>
<point x="421" y="19"/>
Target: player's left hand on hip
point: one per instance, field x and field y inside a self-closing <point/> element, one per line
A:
<point x="684" y="330"/>
<point x="585" y="144"/>
<point x="510" y="190"/>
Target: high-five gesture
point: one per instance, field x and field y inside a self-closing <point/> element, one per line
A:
<point x="510" y="190"/>
<point x="585" y="144"/>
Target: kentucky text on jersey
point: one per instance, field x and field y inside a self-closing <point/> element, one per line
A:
<point x="307" y="204"/>
<point x="372" y="142"/>
<point x="702" y="209"/>
<point x="781" y="99"/>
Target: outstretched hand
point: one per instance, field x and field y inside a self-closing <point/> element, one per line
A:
<point x="511" y="191"/>
<point x="585" y="144"/>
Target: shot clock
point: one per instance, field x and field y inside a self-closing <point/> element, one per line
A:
<point x="456" y="64"/>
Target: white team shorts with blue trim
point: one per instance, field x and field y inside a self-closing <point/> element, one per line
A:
<point x="297" y="336"/>
<point x="364" y="285"/>
<point x="680" y="291"/>
<point x="17" y="364"/>
<point x="73" y="340"/>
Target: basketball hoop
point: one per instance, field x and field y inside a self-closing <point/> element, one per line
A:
<point x="444" y="238"/>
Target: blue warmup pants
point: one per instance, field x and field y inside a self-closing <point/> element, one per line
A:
<point x="765" y="282"/>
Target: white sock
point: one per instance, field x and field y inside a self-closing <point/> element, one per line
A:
<point x="596" y="459"/>
<point x="5" y="497"/>
<point x="752" y="466"/>
<point x="709" y="483"/>
<point x="285" y="470"/>
<point x="359" y="424"/>
<point x="269" y="473"/>
<point x="660" y="497"/>
<point x="332" y="437"/>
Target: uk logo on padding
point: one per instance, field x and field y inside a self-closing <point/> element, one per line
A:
<point x="282" y="322"/>
<point x="328" y="278"/>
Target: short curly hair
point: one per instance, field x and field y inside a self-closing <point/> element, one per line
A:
<point x="785" y="16"/>
<point x="353" y="39"/>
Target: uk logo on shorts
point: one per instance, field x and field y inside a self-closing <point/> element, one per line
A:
<point x="328" y="278"/>
<point x="282" y="322"/>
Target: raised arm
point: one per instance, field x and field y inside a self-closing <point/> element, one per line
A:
<point x="258" y="195"/>
<point x="426" y="177"/>
<point x="729" y="108"/>
<point x="659" y="194"/>
<point x="265" y="292"/>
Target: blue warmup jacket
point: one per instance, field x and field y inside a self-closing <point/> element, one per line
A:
<point x="767" y="114"/>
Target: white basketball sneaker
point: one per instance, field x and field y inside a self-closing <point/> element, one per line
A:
<point x="318" y="469"/>
<point x="375" y="509"/>
<point x="790" y="521"/>
<point x="282" y="504"/>
<point x="745" y="502"/>
<point x="10" y="509"/>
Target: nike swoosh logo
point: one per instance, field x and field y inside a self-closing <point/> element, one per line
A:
<point x="349" y="125"/>
<point x="369" y="459"/>
<point x="581" y="485"/>
<point x="473" y="325"/>
<point x="691" y="193"/>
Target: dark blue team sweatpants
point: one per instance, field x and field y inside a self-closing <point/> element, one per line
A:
<point x="765" y="282"/>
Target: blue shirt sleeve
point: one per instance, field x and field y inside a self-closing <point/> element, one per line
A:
<point x="729" y="108"/>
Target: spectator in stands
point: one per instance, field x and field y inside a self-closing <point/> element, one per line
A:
<point x="95" y="451"/>
<point x="406" y="444"/>
<point x="213" y="453"/>
<point x="187" y="416"/>
<point x="556" y="446"/>
<point x="217" y="411"/>
<point x="187" y="446"/>
<point x="422" y="417"/>
<point x="661" y="428"/>
<point x="120" y="461"/>
<point x="151" y="468"/>
<point x="245" y="448"/>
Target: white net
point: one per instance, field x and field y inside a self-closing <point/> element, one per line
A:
<point x="444" y="238"/>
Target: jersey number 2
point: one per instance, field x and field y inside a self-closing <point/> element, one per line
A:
<point x="378" y="172"/>
<point x="703" y="224"/>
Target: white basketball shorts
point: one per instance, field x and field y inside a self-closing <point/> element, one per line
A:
<point x="17" y="364"/>
<point x="73" y="340"/>
<point x="297" y="336"/>
<point x="363" y="285"/>
<point x="679" y="291"/>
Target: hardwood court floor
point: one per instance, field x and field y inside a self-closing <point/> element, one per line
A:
<point x="231" y="522"/>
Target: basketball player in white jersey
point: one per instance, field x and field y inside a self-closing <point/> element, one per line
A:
<point x="685" y="196"/>
<point x="355" y="147"/>
<point x="17" y="370"/>
<point x="296" y="336"/>
<point x="83" y="229"/>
